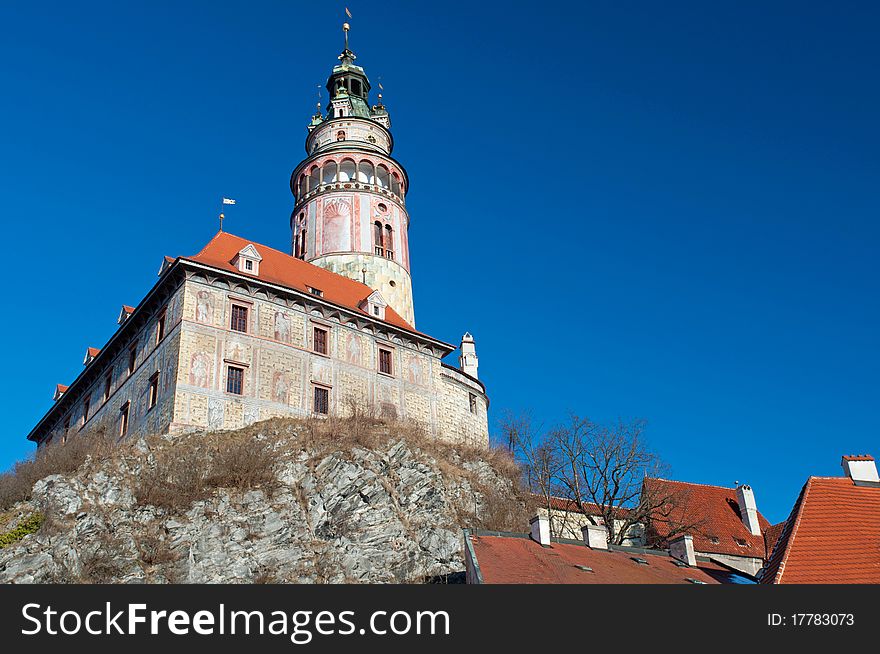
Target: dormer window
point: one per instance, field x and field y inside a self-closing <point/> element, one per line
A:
<point x="315" y="291"/>
<point x="375" y="305"/>
<point x="248" y="260"/>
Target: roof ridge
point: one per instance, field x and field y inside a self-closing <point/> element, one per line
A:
<point x="692" y="483"/>
<point x="799" y="508"/>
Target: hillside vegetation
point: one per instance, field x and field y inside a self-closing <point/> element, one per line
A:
<point x="296" y="501"/>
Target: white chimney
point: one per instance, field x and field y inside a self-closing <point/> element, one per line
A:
<point x="860" y="467"/>
<point x="595" y="536"/>
<point x="748" y="510"/>
<point x="467" y="360"/>
<point x="541" y="529"/>
<point x="682" y="548"/>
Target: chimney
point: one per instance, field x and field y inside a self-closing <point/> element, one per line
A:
<point x="595" y="536"/>
<point x="682" y="548"/>
<point x="748" y="510"/>
<point x="861" y="467"/>
<point x="467" y="360"/>
<point x="540" y="525"/>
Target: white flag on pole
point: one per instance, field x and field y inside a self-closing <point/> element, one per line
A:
<point x="347" y="12"/>
<point x="228" y="201"/>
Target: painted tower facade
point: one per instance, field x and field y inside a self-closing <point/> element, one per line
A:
<point x="350" y="212"/>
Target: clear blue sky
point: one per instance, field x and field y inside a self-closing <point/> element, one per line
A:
<point x="657" y="210"/>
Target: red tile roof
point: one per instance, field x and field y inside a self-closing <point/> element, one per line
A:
<point x="515" y="559"/>
<point x="771" y="536"/>
<point x="127" y="308"/>
<point x="714" y="512"/>
<point x="858" y="457"/>
<point x="61" y="388"/>
<point x="831" y="536"/>
<point x="290" y="272"/>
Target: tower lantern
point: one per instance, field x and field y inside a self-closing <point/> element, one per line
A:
<point x="349" y="214"/>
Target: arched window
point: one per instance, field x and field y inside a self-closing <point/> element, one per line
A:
<point x="365" y="172"/>
<point x="389" y="242"/>
<point x="330" y="172"/>
<point x="314" y="178"/>
<point x="346" y="171"/>
<point x="340" y="135"/>
<point x="377" y="238"/>
<point x="395" y="184"/>
<point x="382" y="175"/>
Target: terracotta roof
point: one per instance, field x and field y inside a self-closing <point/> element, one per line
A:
<point x="714" y="512"/>
<point x="858" y="457"/>
<point x="127" y="308"/>
<point x="93" y="351"/>
<point x="290" y="272"/>
<point x="771" y="536"/>
<point x="517" y="559"/>
<point x="831" y="536"/>
<point x="61" y="388"/>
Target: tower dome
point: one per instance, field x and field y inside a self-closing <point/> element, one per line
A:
<point x="349" y="213"/>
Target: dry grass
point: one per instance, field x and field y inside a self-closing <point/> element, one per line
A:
<point x="55" y="458"/>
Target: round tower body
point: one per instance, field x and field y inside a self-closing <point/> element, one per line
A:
<point x="349" y="215"/>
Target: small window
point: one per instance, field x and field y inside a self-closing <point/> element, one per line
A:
<point x="160" y="328"/>
<point x="239" y="322"/>
<point x="108" y="383"/>
<point x="66" y="430"/>
<point x="87" y="404"/>
<point x="315" y="291"/>
<point x="123" y="419"/>
<point x="741" y="542"/>
<point x="375" y="310"/>
<point x="385" y="361"/>
<point x="713" y="539"/>
<point x="320" y="340"/>
<point x="153" y="395"/>
<point x="639" y="560"/>
<point x="322" y="400"/>
<point x="340" y="135"/>
<point x="248" y="264"/>
<point x="473" y="402"/>
<point x="132" y="358"/>
<point x="235" y="380"/>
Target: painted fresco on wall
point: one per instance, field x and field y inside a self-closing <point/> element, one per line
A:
<point x="282" y="327"/>
<point x="417" y="370"/>
<point x="251" y="414"/>
<point x="353" y="349"/>
<point x="200" y="370"/>
<point x="215" y="412"/>
<point x="280" y="387"/>
<point x="205" y="307"/>
<point x="321" y="372"/>
<point x="235" y="351"/>
<point x="336" y="235"/>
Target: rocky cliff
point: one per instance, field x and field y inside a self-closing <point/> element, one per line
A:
<point x="351" y="500"/>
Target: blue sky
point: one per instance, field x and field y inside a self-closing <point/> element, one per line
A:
<point x="655" y="210"/>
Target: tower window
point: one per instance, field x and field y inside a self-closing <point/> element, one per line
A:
<point x="322" y="400"/>
<point x="340" y="135"/>
<point x="160" y="327"/>
<point x="239" y="320"/>
<point x="153" y="393"/>
<point x="132" y="358"/>
<point x="234" y="380"/>
<point x="87" y="404"/>
<point x="319" y="340"/>
<point x="108" y="383"/>
<point x="385" y="361"/>
<point x="377" y="239"/>
<point x="473" y="403"/>
<point x="389" y="242"/>
<point x="123" y="419"/>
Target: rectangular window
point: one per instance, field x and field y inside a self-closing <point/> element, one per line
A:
<point x="385" y="361"/>
<point x="154" y="391"/>
<point x="66" y="430"/>
<point x="316" y="291"/>
<point x="160" y="328"/>
<point x="132" y="358"/>
<point x="248" y="264"/>
<point x="108" y="383"/>
<point x="239" y="321"/>
<point x="87" y="404"/>
<point x="123" y="419"/>
<point x="473" y="401"/>
<point x="320" y="340"/>
<point x="322" y="400"/>
<point x="234" y="380"/>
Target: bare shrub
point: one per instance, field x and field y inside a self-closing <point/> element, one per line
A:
<point x="242" y="463"/>
<point x="51" y="459"/>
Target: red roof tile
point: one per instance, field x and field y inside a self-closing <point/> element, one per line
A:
<point x="127" y="308"/>
<point x="771" y="536"/>
<point x="831" y="536"/>
<point x="858" y="457"/>
<point x="520" y="560"/>
<point x="290" y="272"/>
<point x="61" y="388"/>
<point x="714" y="511"/>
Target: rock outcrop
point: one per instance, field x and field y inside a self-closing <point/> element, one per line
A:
<point x="380" y="507"/>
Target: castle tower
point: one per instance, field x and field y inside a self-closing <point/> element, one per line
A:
<point x="349" y="214"/>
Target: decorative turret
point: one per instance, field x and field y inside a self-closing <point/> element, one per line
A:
<point x="467" y="360"/>
<point x="349" y="214"/>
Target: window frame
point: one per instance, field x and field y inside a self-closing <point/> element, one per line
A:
<point x="123" y="420"/>
<point x="132" y="358"/>
<point x="153" y="391"/>
<point x="108" y="385"/>
<point x="232" y="317"/>
<point x="326" y="340"/>
<point x="160" y="327"/>
<point x="389" y="351"/>
<point x="239" y="371"/>
<point x="316" y="390"/>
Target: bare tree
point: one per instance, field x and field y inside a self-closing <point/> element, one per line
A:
<point x="600" y="472"/>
